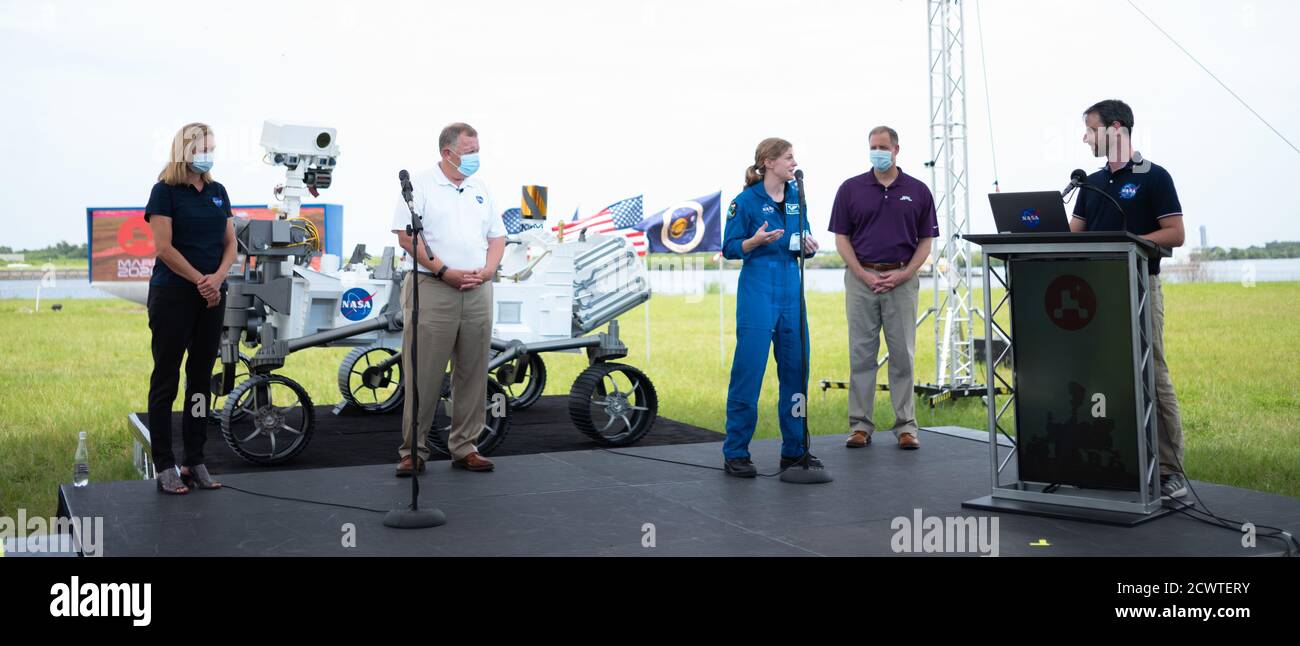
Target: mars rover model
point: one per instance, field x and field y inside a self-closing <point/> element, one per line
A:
<point x="552" y="294"/>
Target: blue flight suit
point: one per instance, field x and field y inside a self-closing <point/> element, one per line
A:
<point x="767" y="310"/>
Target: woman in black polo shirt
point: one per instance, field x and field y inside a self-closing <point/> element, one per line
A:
<point x="190" y="218"/>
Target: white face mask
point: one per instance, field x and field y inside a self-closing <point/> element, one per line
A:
<point x="201" y="163"/>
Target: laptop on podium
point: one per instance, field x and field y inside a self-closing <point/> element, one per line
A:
<point x="1029" y="212"/>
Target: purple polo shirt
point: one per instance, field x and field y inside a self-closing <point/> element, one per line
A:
<point x="884" y="224"/>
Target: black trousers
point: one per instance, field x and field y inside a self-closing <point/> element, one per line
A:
<point x="181" y="322"/>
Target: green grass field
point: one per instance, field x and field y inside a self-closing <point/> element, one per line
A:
<point x="1234" y="353"/>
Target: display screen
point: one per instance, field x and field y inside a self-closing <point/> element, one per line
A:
<point x="121" y="242"/>
<point x="1076" y="417"/>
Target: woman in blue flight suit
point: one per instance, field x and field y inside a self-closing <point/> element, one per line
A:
<point x="761" y="222"/>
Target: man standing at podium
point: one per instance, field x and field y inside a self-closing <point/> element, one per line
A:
<point x="1151" y="211"/>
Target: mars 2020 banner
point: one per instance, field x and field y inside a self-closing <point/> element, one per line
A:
<point x="121" y="242"/>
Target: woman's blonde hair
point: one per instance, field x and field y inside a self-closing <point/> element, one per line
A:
<point x="186" y="141"/>
<point x="770" y="148"/>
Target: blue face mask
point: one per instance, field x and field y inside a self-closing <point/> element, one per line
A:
<point x="881" y="160"/>
<point x="468" y="164"/>
<point x="201" y="163"/>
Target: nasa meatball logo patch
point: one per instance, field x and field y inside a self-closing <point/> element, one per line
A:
<point x="1128" y="191"/>
<point x="731" y="210"/>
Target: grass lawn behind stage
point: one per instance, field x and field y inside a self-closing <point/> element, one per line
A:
<point x="1234" y="353"/>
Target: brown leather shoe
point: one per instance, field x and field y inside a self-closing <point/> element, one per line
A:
<point x="908" y="441"/>
<point x="408" y="464"/>
<point x="858" y="440"/>
<point x="473" y="462"/>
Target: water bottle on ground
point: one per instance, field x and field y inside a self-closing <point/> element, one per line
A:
<point x="81" y="466"/>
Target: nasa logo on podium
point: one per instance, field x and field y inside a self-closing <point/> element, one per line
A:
<point x="1070" y="302"/>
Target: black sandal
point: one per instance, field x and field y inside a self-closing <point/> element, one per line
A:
<point x="197" y="477"/>
<point x="169" y="481"/>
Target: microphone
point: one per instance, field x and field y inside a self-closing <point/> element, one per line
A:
<point x="407" y="190"/>
<point x="405" y="178"/>
<point x="803" y="214"/>
<point x="1077" y="178"/>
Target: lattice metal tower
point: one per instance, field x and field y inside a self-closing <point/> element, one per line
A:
<point x="949" y="179"/>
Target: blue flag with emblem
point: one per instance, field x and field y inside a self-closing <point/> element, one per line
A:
<point x="687" y="226"/>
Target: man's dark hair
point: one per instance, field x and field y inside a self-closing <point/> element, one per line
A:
<point x="1110" y="111"/>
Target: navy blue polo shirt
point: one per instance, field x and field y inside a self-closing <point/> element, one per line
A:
<point x="1145" y="190"/>
<point x="198" y="227"/>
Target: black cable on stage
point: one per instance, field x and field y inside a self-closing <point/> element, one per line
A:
<point x="1207" y="516"/>
<point x="685" y="464"/>
<point x="1288" y="538"/>
<point x="313" y="502"/>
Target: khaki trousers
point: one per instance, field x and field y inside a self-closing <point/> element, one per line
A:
<point x="1169" y="420"/>
<point x="454" y="326"/>
<point x="868" y="312"/>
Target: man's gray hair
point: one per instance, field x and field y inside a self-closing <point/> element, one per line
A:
<point x="452" y="133"/>
<point x="893" y="135"/>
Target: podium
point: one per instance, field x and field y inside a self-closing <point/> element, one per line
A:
<point x="1080" y="398"/>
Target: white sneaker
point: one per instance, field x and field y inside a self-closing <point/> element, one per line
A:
<point x="1173" y="485"/>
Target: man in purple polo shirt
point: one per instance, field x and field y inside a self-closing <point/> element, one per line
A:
<point x="883" y="221"/>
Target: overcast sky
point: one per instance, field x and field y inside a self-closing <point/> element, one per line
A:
<point x="601" y="100"/>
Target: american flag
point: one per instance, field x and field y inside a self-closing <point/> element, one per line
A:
<point x="515" y="222"/>
<point x="618" y="218"/>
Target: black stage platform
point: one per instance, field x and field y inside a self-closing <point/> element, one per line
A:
<point x="354" y="438"/>
<point x="593" y="502"/>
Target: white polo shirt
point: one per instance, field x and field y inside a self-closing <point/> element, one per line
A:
<point x="458" y="220"/>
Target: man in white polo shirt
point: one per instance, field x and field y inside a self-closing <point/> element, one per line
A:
<point x="467" y="237"/>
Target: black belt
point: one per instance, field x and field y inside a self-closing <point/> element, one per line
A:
<point x="882" y="266"/>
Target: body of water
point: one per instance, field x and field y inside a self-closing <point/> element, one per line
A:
<point x="1233" y="271"/>
<point x="62" y="289"/>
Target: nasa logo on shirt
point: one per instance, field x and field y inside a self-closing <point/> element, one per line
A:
<point x="1130" y="189"/>
<point x="768" y="208"/>
<point x="905" y="198"/>
<point x="731" y="210"/>
<point x="217" y="201"/>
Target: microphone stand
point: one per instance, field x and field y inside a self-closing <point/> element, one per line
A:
<point x="803" y="474"/>
<point x="1079" y="180"/>
<point x="1122" y="215"/>
<point x="414" y="517"/>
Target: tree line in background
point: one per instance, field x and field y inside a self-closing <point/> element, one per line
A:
<point x="1275" y="249"/>
<point x="60" y="251"/>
